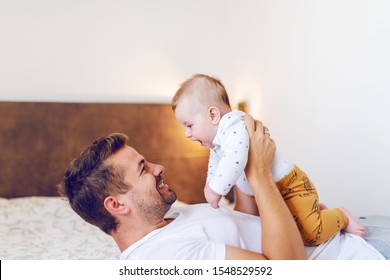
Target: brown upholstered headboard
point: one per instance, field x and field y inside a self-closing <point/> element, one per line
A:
<point x="39" y="139"/>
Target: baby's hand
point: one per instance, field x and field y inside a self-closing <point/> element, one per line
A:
<point x="212" y="197"/>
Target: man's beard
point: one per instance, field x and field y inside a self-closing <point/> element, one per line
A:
<point x="170" y="197"/>
<point x="155" y="210"/>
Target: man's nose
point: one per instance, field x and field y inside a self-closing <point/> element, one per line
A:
<point x="158" y="170"/>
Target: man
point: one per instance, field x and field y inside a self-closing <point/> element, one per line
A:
<point x="113" y="187"/>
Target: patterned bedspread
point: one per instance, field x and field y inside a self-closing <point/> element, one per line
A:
<point x="47" y="228"/>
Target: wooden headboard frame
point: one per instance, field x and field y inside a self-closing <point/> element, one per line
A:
<point x="39" y="139"/>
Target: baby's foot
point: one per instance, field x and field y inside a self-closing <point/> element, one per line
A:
<point x="354" y="226"/>
<point x="322" y="206"/>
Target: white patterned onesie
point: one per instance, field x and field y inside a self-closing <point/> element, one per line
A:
<point x="229" y="157"/>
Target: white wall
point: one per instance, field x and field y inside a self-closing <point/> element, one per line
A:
<point x="316" y="72"/>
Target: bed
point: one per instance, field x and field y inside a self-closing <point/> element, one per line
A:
<point x="39" y="139"/>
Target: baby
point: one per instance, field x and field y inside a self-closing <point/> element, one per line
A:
<point x="202" y="106"/>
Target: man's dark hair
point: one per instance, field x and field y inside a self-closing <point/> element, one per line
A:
<point x="88" y="180"/>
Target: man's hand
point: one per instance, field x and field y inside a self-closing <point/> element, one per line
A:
<point x="262" y="149"/>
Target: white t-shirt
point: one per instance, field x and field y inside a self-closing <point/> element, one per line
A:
<point x="195" y="234"/>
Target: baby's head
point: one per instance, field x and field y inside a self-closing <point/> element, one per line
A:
<point x="199" y="105"/>
<point x="207" y="91"/>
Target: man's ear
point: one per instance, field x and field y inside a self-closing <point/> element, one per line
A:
<point x="115" y="206"/>
<point x="214" y="115"/>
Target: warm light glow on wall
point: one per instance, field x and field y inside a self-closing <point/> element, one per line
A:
<point x="242" y="106"/>
<point x="246" y="93"/>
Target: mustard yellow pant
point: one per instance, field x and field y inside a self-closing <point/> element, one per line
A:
<point x="316" y="226"/>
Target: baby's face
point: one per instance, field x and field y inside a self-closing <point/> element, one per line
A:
<point x="198" y="126"/>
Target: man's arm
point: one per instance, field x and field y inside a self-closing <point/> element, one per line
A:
<point x="245" y="203"/>
<point x="280" y="235"/>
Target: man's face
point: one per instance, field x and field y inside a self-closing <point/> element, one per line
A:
<point x="148" y="194"/>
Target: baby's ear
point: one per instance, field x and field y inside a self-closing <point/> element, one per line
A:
<point x="214" y="115"/>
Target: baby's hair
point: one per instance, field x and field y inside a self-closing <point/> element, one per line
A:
<point x="206" y="89"/>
